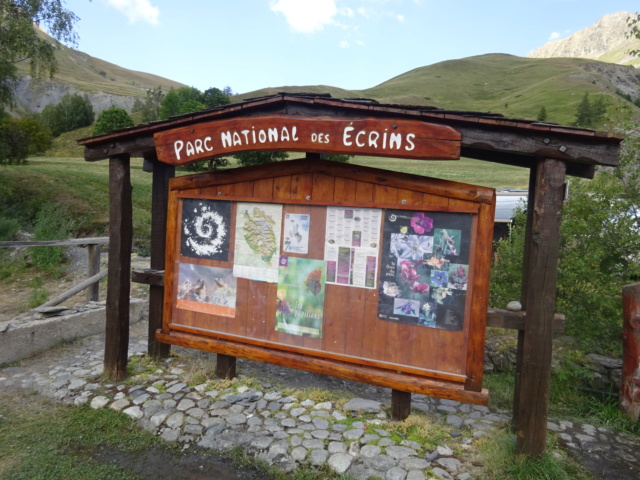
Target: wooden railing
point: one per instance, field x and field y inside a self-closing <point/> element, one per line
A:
<point x="91" y="284"/>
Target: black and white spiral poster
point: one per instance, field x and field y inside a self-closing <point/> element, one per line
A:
<point x="205" y="229"/>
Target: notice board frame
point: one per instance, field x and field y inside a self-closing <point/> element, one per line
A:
<point x="311" y="185"/>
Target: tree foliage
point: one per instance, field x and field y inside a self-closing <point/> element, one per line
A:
<point x="150" y="107"/>
<point x="588" y="114"/>
<point x="73" y="111"/>
<point x="247" y="159"/>
<point x="112" y="119"/>
<point x="21" y="138"/>
<point x="599" y="251"/>
<point x="189" y="99"/>
<point x="21" y="41"/>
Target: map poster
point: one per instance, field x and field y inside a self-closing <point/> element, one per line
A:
<point x="257" y="246"/>
<point x="352" y="245"/>
<point x="207" y="290"/>
<point x="205" y="229"/>
<point x="296" y="233"/>
<point x="301" y="287"/>
<point x="425" y="268"/>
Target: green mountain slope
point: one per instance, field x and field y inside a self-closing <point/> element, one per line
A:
<point x="513" y="86"/>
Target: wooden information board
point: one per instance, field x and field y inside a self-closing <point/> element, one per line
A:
<point x="355" y="272"/>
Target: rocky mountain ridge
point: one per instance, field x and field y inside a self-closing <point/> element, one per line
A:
<point x="606" y="40"/>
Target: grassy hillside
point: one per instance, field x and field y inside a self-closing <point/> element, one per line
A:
<point x="513" y="86"/>
<point x="91" y="74"/>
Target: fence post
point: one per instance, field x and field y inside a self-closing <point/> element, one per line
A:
<point x="93" y="252"/>
<point x="630" y="387"/>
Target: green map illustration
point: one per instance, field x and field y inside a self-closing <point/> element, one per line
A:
<point x="257" y="243"/>
<point x="259" y="233"/>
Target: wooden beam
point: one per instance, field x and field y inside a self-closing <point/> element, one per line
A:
<point x="358" y="373"/>
<point x="78" y="242"/>
<point x="225" y="366"/>
<point x="119" y="286"/>
<point x="498" y="318"/>
<point x="148" y="276"/>
<point x="159" y="204"/>
<point x="540" y="299"/>
<point x="93" y="261"/>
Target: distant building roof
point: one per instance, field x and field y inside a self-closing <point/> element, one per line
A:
<point x="506" y="203"/>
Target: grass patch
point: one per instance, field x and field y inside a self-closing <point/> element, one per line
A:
<point x="42" y="440"/>
<point x="498" y="456"/>
<point x="567" y="401"/>
<point x="421" y="429"/>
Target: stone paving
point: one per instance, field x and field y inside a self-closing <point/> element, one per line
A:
<point x="289" y="430"/>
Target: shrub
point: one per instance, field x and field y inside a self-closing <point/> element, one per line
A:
<point x="112" y="119"/>
<point x="51" y="224"/>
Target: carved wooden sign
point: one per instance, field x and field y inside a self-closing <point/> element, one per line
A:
<point x="363" y="136"/>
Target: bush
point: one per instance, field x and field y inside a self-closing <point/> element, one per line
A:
<point x="599" y="252"/>
<point x="112" y="119"/>
<point x="51" y="224"/>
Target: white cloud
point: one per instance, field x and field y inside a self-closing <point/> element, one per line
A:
<point x="137" y="10"/>
<point x="344" y="44"/>
<point x="306" y="16"/>
<point x="554" y="36"/>
<point x="400" y="18"/>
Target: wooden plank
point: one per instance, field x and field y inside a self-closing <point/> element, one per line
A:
<point x="540" y="300"/>
<point x="533" y="185"/>
<point x="499" y="318"/>
<point x="93" y="261"/>
<point x="148" y="277"/>
<point x="481" y="258"/>
<point x="630" y="385"/>
<point x="119" y="286"/>
<point x="387" y="137"/>
<point x="357" y="373"/>
<point x="400" y="405"/>
<point x="79" y="242"/>
<point x="434" y="186"/>
<point x="162" y="174"/>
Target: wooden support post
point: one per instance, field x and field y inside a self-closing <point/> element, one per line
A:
<point x="93" y="252"/>
<point x="225" y="366"/>
<point x="159" y="201"/>
<point x="540" y="298"/>
<point x="630" y="385"/>
<point x="400" y="405"/>
<point x="523" y="300"/>
<point x="118" y="290"/>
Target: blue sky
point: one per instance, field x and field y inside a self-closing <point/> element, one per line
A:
<point x="352" y="44"/>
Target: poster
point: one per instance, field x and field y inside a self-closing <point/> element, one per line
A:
<point x="352" y="245"/>
<point x="207" y="290"/>
<point x="205" y="229"/>
<point x="296" y="233"/>
<point x="301" y="287"/>
<point x="257" y="245"/>
<point x="425" y="268"/>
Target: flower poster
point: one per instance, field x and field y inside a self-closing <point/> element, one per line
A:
<point x="425" y="268"/>
<point x="352" y="245"/>
<point x="205" y="229"/>
<point x="207" y="290"/>
<point x="301" y="287"/>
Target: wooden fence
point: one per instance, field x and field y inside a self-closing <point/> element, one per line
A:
<point x="91" y="284"/>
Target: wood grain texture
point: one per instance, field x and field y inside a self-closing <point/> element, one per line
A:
<point x="540" y="303"/>
<point x="119" y="286"/>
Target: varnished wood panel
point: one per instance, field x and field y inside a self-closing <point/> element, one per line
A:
<point x="351" y="331"/>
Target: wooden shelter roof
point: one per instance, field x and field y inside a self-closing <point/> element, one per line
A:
<point x="485" y="136"/>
